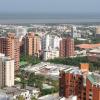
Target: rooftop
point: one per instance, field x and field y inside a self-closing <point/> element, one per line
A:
<point x="73" y="70"/>
<point x="13" y="91"/>
<point x="95" y="51"/>
<point x="47" y="69"/>
<point x="94" y="78"/>
<point x="88" y="46"/>
<point x="5" y="58"/>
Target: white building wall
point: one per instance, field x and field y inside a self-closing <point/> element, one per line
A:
<point x="9" y="73"/>
<point x="50" y="44"/>
<point x="51" y="54"/>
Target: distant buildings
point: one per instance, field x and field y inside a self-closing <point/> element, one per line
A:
<point x="74" y="32"/>
<point x="92" y="51"/>
<point x="80" y="83"/>
<point x="67" y="47"/>
<point x="6" y="71"/>
<point x="31" y="44"/>
<point x="94" y="55"/>
<point x="9" y="45"/>
<point x="98" y="32"/>
<point x="15" y="93"/>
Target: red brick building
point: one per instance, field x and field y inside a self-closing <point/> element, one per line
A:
<point x="93" y="87"/>
<point x="67" y="47"/>
<point x="72" y="82"/>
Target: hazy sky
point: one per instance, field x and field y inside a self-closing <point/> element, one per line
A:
<point x="50" y="6"/>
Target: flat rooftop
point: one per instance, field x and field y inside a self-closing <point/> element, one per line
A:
<point x="94" y="78"/>
<point x="73" y="70"/>
<point x="88" y="46"/>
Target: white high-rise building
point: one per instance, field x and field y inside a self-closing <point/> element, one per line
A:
<point x="50" y="42"/>
<point x="74" y="32"/>
<point x="6" y="71"/>
<point x="50" y="46"/>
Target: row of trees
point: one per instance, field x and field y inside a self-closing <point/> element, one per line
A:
<point x="76" y="62"/>
<point x="30" y="59"/>
<point x="95" y="40"/>
<point x="69" y="61"/>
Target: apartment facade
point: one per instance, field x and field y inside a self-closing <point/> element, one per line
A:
<point x="73" y="82"/>
<point x="6" y="71"/>
<point x="50" y="46"/>
<point x="10" y="46"/>
<point x="31" y="44"/>
<point x="50" y="54"/>
<point x="67" y="47"/>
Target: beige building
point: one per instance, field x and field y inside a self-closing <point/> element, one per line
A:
<point x="6" y="71"/>
<point x="31" y="44"/>
<point x="36" y="45"/>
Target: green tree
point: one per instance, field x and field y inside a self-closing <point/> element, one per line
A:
<point x="33" y="98"/>
<point x="23" y="81"/>
<point x="31" y="79"/>
<point x="20" y="98"/>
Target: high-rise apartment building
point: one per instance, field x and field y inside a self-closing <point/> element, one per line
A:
<point x="6" y="71"/>
<point x="50" y="42"/>
<point x="9" y="45"/>
<point x="67" y="47"/>
<point x="81" y="83"/>
<point x="31" y="44"/>
<point x="36" y="45"/>
<point x="50" y="46"/>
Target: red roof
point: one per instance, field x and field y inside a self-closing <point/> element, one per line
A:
<point x="88" y="46"/>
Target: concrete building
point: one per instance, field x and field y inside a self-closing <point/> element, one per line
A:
<point x="50" y="42"/>
<point x="94" y="55"/>
<point x="10" y="46"/>
<point x="36" y="45"/>
<point x="74" y="32"/>
<point x="50" y="46"/>
<point x="6" y="71"/>
<point x="50" y="54"/>
<point x="67" y="47"/>
<point x="81" y="83"/>
<point x="31" y="44"/>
